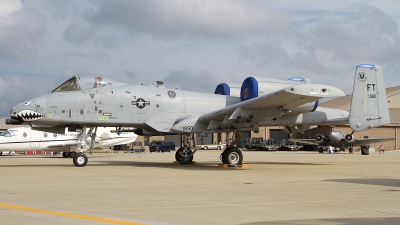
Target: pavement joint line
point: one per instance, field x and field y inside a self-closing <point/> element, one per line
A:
<point x="71" y="215"/>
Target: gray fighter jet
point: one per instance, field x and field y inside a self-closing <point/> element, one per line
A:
<point x="339" y="140"/>
<point x="87" y="101"/>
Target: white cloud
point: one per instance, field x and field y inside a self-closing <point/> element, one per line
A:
<point x="193" y="44"/>
<point x="78" y="34"/>
<point x="366" y="36"/>
<point x="190" y="19"/>
<point x="20" y="30"/>
<point x="15" y="88"/>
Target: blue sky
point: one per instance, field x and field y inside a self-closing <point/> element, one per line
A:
<point x="192" y="45"/>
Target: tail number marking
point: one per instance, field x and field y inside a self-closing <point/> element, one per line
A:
<point x="371" y="86"/>
<point x="187" y="128"/>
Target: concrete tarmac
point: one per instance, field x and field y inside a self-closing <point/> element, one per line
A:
<point x="146" y="188"/>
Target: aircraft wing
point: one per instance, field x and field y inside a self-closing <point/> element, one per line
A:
<point x="262" y="108"/>
<point x="50" y="129"/>
<point x="283" y="100"/>
<point x="309" y="141"/>
<point x="365" y="141"/>
<point x="65" y="144"/>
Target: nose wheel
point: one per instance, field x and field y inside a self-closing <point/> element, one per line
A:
<point x="80" y="160"/>
<point x="184" y="155"/>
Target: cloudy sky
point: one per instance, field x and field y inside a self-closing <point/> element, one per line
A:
<point x="192" y="45"/>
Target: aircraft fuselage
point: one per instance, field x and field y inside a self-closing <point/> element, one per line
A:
<point x="139" y="106"/>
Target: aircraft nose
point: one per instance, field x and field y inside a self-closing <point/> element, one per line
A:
<point x="27" y="111"/>
<point x="335" y="137"/>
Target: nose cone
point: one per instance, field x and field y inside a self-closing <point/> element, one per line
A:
<point x="335" y="137"/>
<point x="28" y="111"/>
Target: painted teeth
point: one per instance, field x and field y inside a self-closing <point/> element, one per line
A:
<point x="27" y="115"/>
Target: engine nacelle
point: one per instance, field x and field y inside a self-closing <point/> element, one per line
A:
<point x="252" y="88"/>
<point x="228" y="89"/>
<point x="320" y="139"/>
<point x="350" y="138"/>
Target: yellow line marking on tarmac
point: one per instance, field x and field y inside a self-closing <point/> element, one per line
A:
<point x="71" y="215"/>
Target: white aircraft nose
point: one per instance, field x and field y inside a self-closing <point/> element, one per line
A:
<point x="335" y="137"/>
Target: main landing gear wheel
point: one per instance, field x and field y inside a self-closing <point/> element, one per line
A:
<point x="184" y="155"/>
<point x="72" y="154"/>
<point x="232" y="156"/>
<point x="80" y="160"/>
<point x="365" y="150"/>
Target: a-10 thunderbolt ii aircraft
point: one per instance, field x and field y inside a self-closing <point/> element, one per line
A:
<point x="87" y="102"/>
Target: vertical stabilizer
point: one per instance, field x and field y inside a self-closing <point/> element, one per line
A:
<point x="369" y="106"/>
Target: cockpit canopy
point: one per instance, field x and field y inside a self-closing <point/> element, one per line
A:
<point x="85" y="81"/>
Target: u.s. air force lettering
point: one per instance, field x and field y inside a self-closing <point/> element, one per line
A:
<point x="140" y="103"/>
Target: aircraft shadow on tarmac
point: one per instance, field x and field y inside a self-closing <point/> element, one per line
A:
<point x="371" y="181"/>
<point x="167" y="165"/>
<point x="335" y="221"/>
<point x="114" y="163"/>
<point x="199" y="166"/>
<point x="289" y="163"/>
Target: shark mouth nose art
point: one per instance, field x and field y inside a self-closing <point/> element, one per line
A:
<point x="27" y="115"/>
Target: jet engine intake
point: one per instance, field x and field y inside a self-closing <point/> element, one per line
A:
<point x="320" y="139"/>
<point x="228" y="89"/>
<point x="350" y="138"/>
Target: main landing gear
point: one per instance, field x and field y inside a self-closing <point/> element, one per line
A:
<point x="69" y="154"/>
<point x="365" y="150"/>
<point x="80" y="160"/>
<point x="231" y="156"/>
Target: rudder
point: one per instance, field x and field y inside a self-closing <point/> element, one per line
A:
<point x="369" y="106"/>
